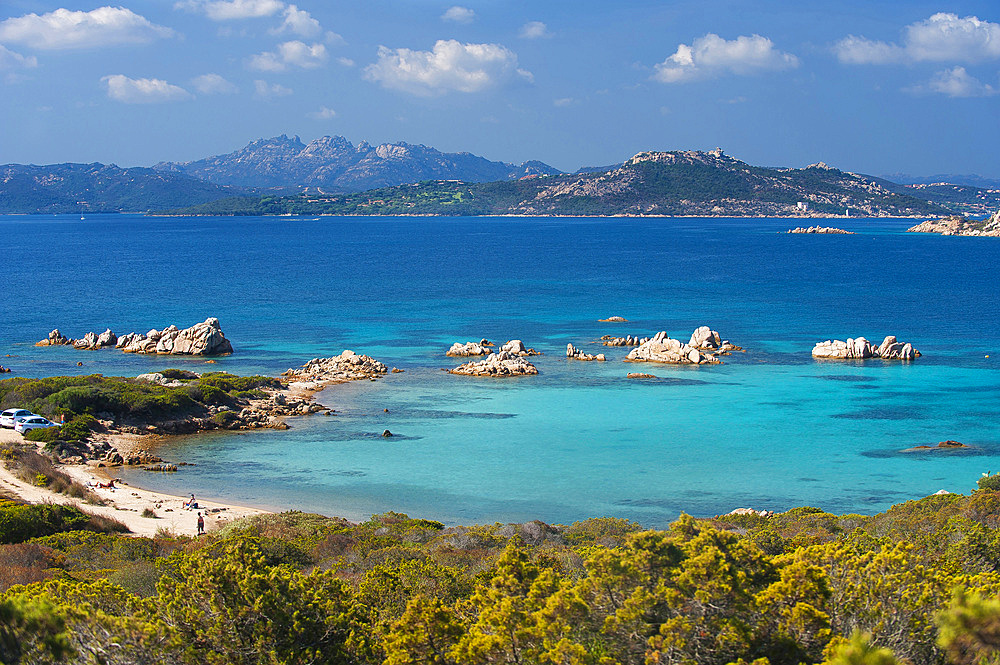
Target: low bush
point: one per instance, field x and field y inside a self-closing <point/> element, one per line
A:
<point x="45" y="435"/>
<point x="38" y="470"/>
<point x="989" y="482"/>
<point x="224" y="418"/>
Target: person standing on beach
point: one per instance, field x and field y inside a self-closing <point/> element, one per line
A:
<point x="201" y="524"/>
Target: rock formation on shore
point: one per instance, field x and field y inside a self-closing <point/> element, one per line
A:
<point x="627" y="340"/>
<point x="348" y="366"/>
<point x="502" y="364"/>
<point x="957" y="225"/>
<point x="201" y="339"/>
<point x="702" y="349"/>
<point x="516" y="347"/>
<point x="860" y="349"/>
<point x="469" y="349"/>
<point x="577" y="354"/>
<point x="819" y="229"/>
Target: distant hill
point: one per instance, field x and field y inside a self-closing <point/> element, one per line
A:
<point x="651" y="183"/>
<point x="334" y="164"/>
<point x="969" y="180"/>
<point x="72" y="188"/>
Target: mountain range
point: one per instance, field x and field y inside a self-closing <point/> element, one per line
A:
<point x="650" y="183"/>
<point x="332" y="175"/>
<point x="334" y="164"/>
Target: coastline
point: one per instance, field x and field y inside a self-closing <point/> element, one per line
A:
<point x="126" y="503"/>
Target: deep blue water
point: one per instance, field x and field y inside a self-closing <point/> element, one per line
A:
<point x="771" y="428"/>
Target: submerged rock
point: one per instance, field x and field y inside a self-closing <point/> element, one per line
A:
<point x="861" y="349"/>
<point x="502" y="364"/>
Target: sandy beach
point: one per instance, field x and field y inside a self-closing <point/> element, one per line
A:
<point x="125" y="503"/>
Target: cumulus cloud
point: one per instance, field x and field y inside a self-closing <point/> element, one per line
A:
<point x="289" y="54"/>
<point x="449" y="66"/>
<point x="143" y="91"/>
<point x="213" y="84"/>
<point x="534" y="30"/>
<point x="323" y="113"/>
<point x="941" y="38"/>
<point x="711" y="56"/>
<point x="266" y="90"/>
<point x="300" y="22"/>
<point x="955" y="82"/>
<point x="459" y="14"/>
<point x="229" y="10"/>
<point x="65" y="29"/>
<point x="11" y="60"/>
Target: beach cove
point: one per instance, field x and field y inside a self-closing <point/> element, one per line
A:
<point x="771" y="428"/>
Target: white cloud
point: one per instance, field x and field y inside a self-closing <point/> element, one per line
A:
<point x="323" y="113"/>
<point x="943" y="37"/>
<point x="264" y="90"/>
<point x="299" y="22"/>
<point x="213" y="84"/>
<point x="65" y="29"/>
<point x="712" y="55"/>
<point x="11" y="60"/>
<point x="459" y="14"/>
<point x="143" y="91"/>
<point x="451" y="65"/>
<point x="289" y="54"/>
<point x="563" y="101"/>
<point x="346" y="62"/>
<point x="534" y="30"/>
<point x="228" y="10"/>
<point x="955" y="82"/>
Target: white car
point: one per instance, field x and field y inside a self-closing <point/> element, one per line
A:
<point x="25" y="425"/>
<point x="9" y="417"/>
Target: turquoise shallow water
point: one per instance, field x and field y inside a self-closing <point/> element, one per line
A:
<point x="771" y="428"/>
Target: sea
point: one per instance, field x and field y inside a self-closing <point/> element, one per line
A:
<point x="770" y="429"/>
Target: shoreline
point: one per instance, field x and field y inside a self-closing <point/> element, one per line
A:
<point x="126" y="502"/>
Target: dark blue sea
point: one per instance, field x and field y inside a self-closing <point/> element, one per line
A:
<point x="769" y="429"/>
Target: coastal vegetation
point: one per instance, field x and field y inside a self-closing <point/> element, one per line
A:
<point x="915" y="584"/>
<point x="83" y="400"/>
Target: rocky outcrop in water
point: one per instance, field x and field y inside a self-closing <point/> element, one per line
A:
<point x="614" y="319"/>
<point x="960" y="226"/>
<point x="861" y="349"/>
<point x="201" y="339"/>
<point x="627" y="340"/>
<point x="460" y="350"/>
<point x="578" y="354"/>
<point x="348" y="366"/>
<point x="516" y="347"/>
<point x="703" y="348"/>
<point x="819" y="229"/>
<point x="55" y="338"/>
<point x="502" y="364"/>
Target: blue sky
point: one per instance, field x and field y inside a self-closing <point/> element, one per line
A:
<point x="873" y="87"/>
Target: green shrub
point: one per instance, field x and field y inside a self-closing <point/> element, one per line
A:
<point x="225" y="418"/>
<point x="79" y="427"/>
<point x="989" y="482"/>
<point x="44" y="434"/>
<point x="19" y="523"/>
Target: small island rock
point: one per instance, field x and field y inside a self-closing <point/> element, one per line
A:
<point x="819" y="229"/>
<point x="861" y="349"/>
<point x="577" y="354"/>
<point x="627" y="340"/>
<point x="468" y="349"/>
<point x="613" y="319"/>
<point x="700" y="351"/>
<point x="502" y="364"/>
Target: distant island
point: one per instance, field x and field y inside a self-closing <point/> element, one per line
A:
<point x="333" y="176"/>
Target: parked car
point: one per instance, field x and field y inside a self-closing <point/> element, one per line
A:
<point x="9" y="417"/>
<point x="25" y="425"/>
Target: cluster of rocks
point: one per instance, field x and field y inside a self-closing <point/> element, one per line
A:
<point x="942" y="445"/>
<point x="201" y="339"/>
<point x="860" y="349"/>
<point x="960" y="226"/>
<point x="348" y="366"/>
<point x="627" y="340"/>
<point x="578" y="354"/>
<point x="751" y="511"/>
<point x="702" y="349"/>
<point x="819" y="229"/>
<point x="516" y="347"/>
<point x="613" y="319"/>
<point x="4" y="370"/>
<point x="501" y="364"/>
<point x="480" y="348"/>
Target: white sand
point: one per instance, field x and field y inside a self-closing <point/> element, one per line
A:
<point x="126" y="503"/>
